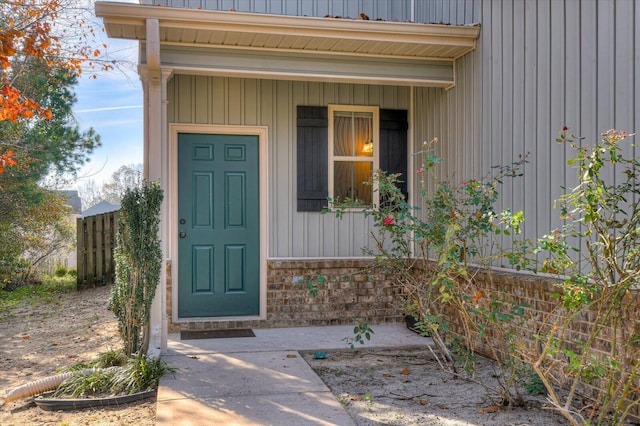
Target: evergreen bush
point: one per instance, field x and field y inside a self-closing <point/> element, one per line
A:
<point x="138" y="256"/>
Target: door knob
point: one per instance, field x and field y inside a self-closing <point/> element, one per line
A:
<point x="183" y="234"/>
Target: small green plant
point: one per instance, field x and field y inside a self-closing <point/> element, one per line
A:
<point x="315" y="284"/>
<point x="139" y="374"/>
<point x="361" y="331"/>
<point x="530" y="381"/>
<point x="61" y="271"/>
<point x="94" y="382"/>
<point x="114" y="373"/>
<point x="110" y="358"/>
<point x="343" y="399"/>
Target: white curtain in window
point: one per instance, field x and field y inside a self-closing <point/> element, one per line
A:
<point x="351" y="131"/>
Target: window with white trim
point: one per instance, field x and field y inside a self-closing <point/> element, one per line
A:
<point x="390" y="151"/>
<point x="353" y="154"/>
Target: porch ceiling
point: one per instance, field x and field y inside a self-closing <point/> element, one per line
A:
<point x="290" y="34"/>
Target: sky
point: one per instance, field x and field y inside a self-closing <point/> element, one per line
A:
<point x="112" y="105"/>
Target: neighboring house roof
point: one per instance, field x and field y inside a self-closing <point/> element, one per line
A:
<point x="101" y="208"/>
<point x="73" y="201"/>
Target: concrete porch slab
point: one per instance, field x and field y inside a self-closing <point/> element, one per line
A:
<point x="241" y="374"/>
<point x="260" y="380"/>
<point x="299" y="339"/>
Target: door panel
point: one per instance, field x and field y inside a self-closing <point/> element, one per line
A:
<point x="235" y="193"/>
<point x="219" y="228"/>
<point x="203" y="269"/>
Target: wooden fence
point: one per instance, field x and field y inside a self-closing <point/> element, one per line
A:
<point x="96" y="241"/>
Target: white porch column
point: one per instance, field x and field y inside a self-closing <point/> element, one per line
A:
<point x="156" y="152"/>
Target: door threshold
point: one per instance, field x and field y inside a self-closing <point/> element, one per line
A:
<point x="218" y="319"/>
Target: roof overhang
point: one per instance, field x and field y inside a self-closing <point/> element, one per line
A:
<point x="223" y="43"/>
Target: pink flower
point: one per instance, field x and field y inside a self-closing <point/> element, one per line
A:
<point x="464" y="183"/>
<point x="389" y="221"/>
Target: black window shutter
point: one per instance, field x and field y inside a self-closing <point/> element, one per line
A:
<point x="313" y="170"/>
<point x="394" y="125"/>
<point x="312" y="146"/>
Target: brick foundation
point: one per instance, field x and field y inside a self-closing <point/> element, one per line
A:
<point x="348" y="295"/>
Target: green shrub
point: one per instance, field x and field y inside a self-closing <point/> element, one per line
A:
<point x="139" y="374"/>
<point x="114" y="373"/>
<point x="138" y="257"/>
<point x="61" y="271"/>
<point x="596" y="256"/>
<point x="433" y="253"/>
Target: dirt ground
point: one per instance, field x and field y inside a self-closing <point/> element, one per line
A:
<point x="405" y="387"/>
<point x="378" y="387"/>
<point x="37" y="341"/>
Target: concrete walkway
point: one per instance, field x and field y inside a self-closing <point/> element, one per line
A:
<point x="260" y="380"/>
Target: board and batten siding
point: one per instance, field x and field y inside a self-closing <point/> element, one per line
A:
<point x="539" y="65"/>
<point x="382" y="9"/>
<point x="253" y="102"/>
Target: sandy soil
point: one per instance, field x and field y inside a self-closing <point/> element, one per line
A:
<point x="37" y="341"/>
<point x="407" y="387"/>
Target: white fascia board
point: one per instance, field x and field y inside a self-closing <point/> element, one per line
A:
<point x="314" y="77"/>
<point x="307" y="67"/>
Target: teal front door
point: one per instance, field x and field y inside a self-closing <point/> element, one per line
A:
<point x="218" y="225"/>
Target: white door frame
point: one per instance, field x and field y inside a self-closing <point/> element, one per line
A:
<point x="262" y="132"/>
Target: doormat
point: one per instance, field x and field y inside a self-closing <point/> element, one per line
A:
<point x="215" y="334"/>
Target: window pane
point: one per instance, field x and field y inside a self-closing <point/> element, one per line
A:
<point x="353" y="134"/>
<point x="348" y="181"/>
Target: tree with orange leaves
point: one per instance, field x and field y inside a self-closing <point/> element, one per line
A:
<point x="51" y="33"/>
<point x="44" y="44"/>
<point x="7" y="160"/>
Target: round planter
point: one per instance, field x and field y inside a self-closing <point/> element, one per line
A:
<point x="54" y="404"/>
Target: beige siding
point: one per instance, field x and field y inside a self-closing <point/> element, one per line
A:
<point x="539" y="65"/>
<point x="201" y="100"/>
